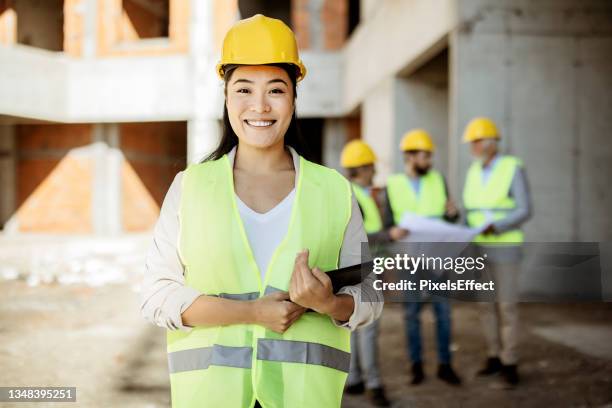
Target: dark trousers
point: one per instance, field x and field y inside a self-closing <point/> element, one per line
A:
<point x="412" y="318"/>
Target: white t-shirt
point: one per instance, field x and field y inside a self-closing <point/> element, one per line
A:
<point x="266" y="231"/>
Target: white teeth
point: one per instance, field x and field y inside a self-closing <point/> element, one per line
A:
<point x="260" y="123"/>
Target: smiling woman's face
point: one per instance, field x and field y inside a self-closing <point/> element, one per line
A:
<point x="259" y="102"/>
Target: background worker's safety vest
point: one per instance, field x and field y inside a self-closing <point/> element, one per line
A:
<point x="430" y="202"/>
<point x="491" y="201"/>
<point x="231" y="366"/>
<point x="371" y="214"/>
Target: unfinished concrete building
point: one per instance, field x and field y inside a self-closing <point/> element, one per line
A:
<point x="103" y="101"/>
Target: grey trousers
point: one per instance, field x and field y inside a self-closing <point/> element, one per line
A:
<point x="364" y="357"/>
<point x="500" y="319"/>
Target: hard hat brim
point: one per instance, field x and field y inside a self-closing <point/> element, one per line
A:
<point x="474" y="139"/>
<point x="419" y="149"/>
<point x="301" y="69"/>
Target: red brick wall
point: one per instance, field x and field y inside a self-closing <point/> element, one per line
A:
<point x="156" y="151"/>
<point x="333" y="18"/>
<point x="53" y="191"/>
<point x="300" y="20"/>
<point x="40" y="148"/>
<point x="353" y="128"/>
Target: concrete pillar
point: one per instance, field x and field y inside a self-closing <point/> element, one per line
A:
<point x="203" y="130"/>
<point x="8" y="176"/>
<point x="378" y="127"/>
<point x="422" y="102"/>
<point x="543" y="73"/>
<point x="397" y="105"/>
<point x="106" y="189"/>
<point x="315" y="27"/>
<point x="90" y="29"/>
<point x="202" y="138"/>
<point x="334" y="139"/>
<point x="593" y="122"/>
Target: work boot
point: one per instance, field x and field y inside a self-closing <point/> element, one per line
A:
<point x="510" y="374"/>
<point x="377" y="397"/>
<point x="448" y="375"/>
<point x="493" y="366"/>
<point x="417" y="374"/>
<point x="355" y="389"/>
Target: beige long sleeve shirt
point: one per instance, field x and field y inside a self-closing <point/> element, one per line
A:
<point x="165" y="296"/>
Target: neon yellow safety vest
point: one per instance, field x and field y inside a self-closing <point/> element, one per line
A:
<point x="430" y="202"/>
<point x="491" y="201"/>
<point x="232" y="366"/>
<point x="371" y="214"/>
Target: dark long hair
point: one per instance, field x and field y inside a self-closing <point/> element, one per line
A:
<point x="293" y="136"/>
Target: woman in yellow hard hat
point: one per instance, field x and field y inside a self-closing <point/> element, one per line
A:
<point x="249" y="233"/>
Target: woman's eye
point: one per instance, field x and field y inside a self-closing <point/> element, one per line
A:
<point x="277" y="91"/>
<point x="242" y="90"/>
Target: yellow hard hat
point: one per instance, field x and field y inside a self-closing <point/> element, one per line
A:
<point x="357" y="153"/>
<point x="480" y="128"/>
<point x="417" y="139"/>
<point x="260" y="40"/>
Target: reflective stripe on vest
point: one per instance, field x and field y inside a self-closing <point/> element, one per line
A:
<point x="203" y="357"/>
<point x="268" y="349"/>
<point x="491" y="201"/>
<point x="303" y="352"/>
<point x="208" y="364"/>
<point x="371" y="215"/>
<point x="430" y="202"/>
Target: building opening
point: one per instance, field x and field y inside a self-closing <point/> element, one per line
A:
<point x="144" y="19"/>
<point x="39" y="23"/>
<point x="280" y="9"/>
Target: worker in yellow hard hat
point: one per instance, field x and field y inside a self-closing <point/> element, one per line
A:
<point x="421" y="190"/>
<point x="358" y="160"/>
<point x="249" y="322"/>
<point x="496" y="198"/>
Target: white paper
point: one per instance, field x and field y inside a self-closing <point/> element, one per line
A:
<point x="424" y="229"/>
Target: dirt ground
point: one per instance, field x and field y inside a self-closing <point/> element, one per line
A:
<point x="94" y="339"/>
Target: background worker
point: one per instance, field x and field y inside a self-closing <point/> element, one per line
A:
<point x="359" y="160"/>
<point x="422" y="190"/>
<point x="496" y="194"/>
<point x="222" y="273"/>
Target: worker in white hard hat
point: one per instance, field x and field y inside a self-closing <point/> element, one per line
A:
<point x="496" y="198"/>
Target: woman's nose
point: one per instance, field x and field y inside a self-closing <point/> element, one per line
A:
<point x="260" y="105"/>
